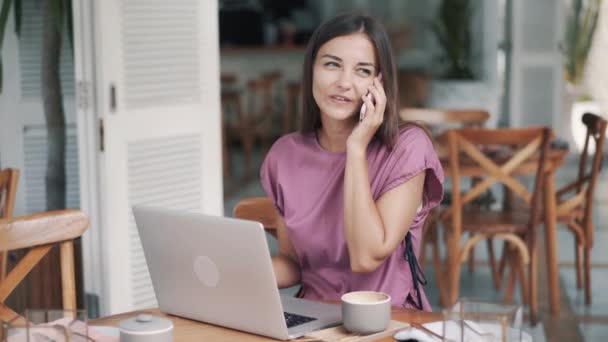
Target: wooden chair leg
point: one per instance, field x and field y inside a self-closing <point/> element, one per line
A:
<point x="3" y="265"/>
<point x="426" y="240"/>
<point x="578" y="263"/>
<point x="422" y="259"/>
<point x="68" y="277"/>
<point x="439" y="275"/>
<point x="225" y="153"/>
<point x="247" y="142"/>
<point x="587" y="263"/>
<point x="454" y="283"/>
<point x="453" y="269"/>
<point x="503" y="264"/>
<point x="521" y="274"/>
<point x="493" y="266"/>
<point x="511" y="281"/>
<point x="472" y="260"/>
<point x="533" y="288"/>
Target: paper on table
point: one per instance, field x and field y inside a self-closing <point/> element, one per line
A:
<point x="486" y="332"/>
<point x="56" y="331"/>
<point x="339" y="334"/>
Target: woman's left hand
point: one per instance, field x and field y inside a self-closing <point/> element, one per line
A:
<point x="374" y="116"/>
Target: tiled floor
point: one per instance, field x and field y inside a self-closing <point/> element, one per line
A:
<point x="591" y="321"/>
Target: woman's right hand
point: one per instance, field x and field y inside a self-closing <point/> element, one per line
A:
<point x="363" y="133"/>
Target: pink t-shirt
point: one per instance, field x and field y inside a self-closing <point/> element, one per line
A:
<point x="306" y="183"/>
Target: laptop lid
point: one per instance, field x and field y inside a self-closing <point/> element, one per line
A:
<point x="212" y="269"/>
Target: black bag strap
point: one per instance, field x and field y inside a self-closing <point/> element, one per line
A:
<point x="417" y="274"/>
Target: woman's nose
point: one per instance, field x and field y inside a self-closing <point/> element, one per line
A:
<point x="345" y="81"/>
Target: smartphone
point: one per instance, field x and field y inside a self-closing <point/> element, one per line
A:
<point x="369" y="96"/>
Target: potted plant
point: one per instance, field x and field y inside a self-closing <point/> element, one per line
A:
<point x="466" y="40"/>
<point x="452" y="30"/>
<point x="581" y="22"/>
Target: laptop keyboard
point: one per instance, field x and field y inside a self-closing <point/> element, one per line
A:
<point x="292" y="319"/>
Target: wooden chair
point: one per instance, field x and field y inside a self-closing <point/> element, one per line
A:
<point x="8" y="191"/>
<point x="232" y="117"/>
<point x="435" y="119"/>
<point x="497" y="156"/>
<point x="39" y="233"/>
<point x="292" y="107"/>
<point x="576" y="210"/>
<point x="260" y="209"/>
<point x="258" y="117"/>
<point x="440" y="117"/>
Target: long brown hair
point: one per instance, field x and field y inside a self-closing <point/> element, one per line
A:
<point x="343" y="25"/>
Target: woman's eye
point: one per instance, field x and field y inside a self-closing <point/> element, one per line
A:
<point x="364" y="72"/>
<point x="332" y="64"/>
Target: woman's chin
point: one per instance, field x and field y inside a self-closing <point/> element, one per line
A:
<point x="343" y="115"/>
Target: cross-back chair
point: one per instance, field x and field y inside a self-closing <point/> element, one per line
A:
<point x="576" y="210"/>
<point x="258" y="117"/>
<point x="496" y="156"/>
<point x="40" y="233"/>
<point x="8" y="191"/>
<point x="468" y="118"/>
<point x="292" y="107"/>
<point x="434" y="119"/>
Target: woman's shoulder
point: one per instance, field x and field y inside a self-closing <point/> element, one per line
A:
<point x="412" y="137"/>
<point x="413" y="132"/>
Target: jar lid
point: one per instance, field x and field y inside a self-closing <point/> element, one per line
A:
<point x="145" y="323"/>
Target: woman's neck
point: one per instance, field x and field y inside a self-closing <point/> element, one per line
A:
<point x="332" y="136"/>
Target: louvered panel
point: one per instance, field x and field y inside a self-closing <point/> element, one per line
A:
<point x="163" y="172"/>
<point x="35" y="149"/>
<point x="160" y="51"/>
<point x="177" y="154"/>
<point x="30" y="45"/>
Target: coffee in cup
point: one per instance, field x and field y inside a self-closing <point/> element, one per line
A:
<point x="366" y="312"/>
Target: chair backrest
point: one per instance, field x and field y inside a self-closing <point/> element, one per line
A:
<point x="590" y="165"/>
<point x="276" y="97"/>
<point x="260" y="209"/>
<point x="293" y="107"/>
<point x="497" y="155"/>
<point x="39" y="233"/>
<point x="8" y="191"/>
<point x="230" y="99"/>
<point x="434" y="117"/>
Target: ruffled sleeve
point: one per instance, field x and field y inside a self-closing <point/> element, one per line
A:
<point x="414" y="153"/>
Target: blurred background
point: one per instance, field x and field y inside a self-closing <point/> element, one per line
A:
<point x="107" y="104"/>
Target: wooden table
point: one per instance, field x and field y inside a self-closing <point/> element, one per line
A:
<point x="554" y="161"/>
<point x="188" y="330"/>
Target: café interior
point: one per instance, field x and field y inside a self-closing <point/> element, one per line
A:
<point x="513" y="94"/>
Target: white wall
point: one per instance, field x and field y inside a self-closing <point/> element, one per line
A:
<point x="596" y="74"/>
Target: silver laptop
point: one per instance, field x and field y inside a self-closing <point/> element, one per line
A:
<point x="218" y="270"/>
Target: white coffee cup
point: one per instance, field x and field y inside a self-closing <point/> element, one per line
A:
<point x="366" y="312"/>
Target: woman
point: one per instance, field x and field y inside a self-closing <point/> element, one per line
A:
<point x="351" y="185"/>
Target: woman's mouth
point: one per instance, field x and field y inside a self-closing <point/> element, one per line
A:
<point x="341" y="100"/>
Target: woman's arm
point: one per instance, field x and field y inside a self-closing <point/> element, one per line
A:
<point x="374" y="229"/>
<point x="285" y="264"/>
